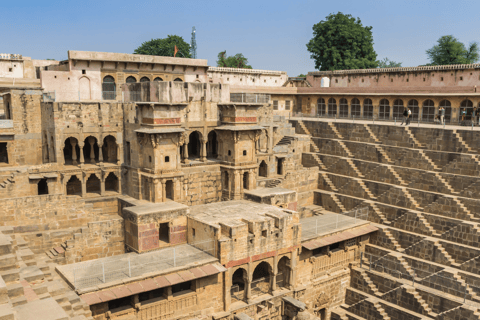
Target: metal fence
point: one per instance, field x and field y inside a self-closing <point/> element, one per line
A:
<point x="440" y="279"/>
<point x="250" y="97"/>
<point x="453" y="121"/>
<point x="133" y="265"/>
<point x="326" y="223"/>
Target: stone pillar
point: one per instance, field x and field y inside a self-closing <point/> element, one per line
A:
<point x="157" y="191"/>
<point x="293" y="269"/>
<point x="119" y="162"/>
<point x="185" y="153"/>
<point x="91" y="142"/>
<point x="82" y="159"/>
<point x="102" y="184"/>
<point x="100" y="153"/>
<point x="252" y="182"/>
<point x="248" y="287"/>
<point x="73" y="142"/>
<point x="273" y="275"/>
<point x="204" y="150"/>
<point x="84" y="185"/>
<point x="270" y="140"/>
<point x="120" y="181"/>
<point x="238" y="185"/>
<point x="227" y="280"/>
<point x="179" y="158"/>
<point x="164" y="190"/>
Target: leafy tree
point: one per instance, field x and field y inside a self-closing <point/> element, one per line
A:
<point x="342" y="42"/>
<point x="451" y="51"/>
<point x="236" y="61"/>
<point x="165" y="47"/>
<point x="386" y="63"/>
<point x="301" y="75"/>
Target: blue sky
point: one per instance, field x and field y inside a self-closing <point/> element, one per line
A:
<point x="272" y="34"/>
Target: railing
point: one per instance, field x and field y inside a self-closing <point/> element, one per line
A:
<point x="250" y="97"/>
<point x="10" y="56"/>
<point x="463" y="288"/>
<point x="449" y="121"/>
<point x="100" y="272"/>
<point x="340" y="221"/>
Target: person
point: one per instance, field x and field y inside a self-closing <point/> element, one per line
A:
<point x="442" y="115"/>
<point x="463" y="114"/>
<point x="409" y="115"/>
<point x="405" y="116"/>
<point x="474" y="116"/>
<point x="437" y="119"/>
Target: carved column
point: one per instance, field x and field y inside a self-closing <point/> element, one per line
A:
<point x="227" y="280"/>
<point x="204" y="150"/>
<point x="91" y="141"/>
<point x="157" y="191"/>
<point x="293" y="271"/>
<point x="248" y="284"/>
<point x="273" y="275"/>
<point x="102" y="183"/>
<point x="179" y="156"/>
<point x="82" y="159"/>
<point x="100" y="153"/>
<point x="73" y="143"/>
<point x="185" y="153"/>
<point x="120" y="181"/>
<point x="164" y="190"/>
<point x="119" y="162"/>
<point x="84" y="185"/>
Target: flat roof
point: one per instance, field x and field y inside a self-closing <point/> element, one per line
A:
<point x="106" y="272"/>
<point x="328" y="223"/>
<point x="269" y="191"/>
<point x="155" y="208"/>
<point x="136" y="58"/>
<point x="214" y="213"/>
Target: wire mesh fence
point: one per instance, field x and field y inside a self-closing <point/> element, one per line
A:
<point x="321" y="224"/>
<point x="428" y="276"/>
<point x="250" y="97"/>
<point x="133" y="265"/>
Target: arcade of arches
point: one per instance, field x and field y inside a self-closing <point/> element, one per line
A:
<point x="196" y="147"/>
<point x="89" y="151"/>
<point x="424" y="110"/>
<point x="262" y="279"/>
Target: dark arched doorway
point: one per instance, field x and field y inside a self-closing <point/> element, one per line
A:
<point x="178" y="80"/>
<point x="194" y="145"/>
<point x="71" y="151"/>
<point x="261" y="279"/>
<point x="169" y="190"/>
<point x="74" y="186"/>
<point x="212" y="145"/>
<point x="144" y="79"/>
<point x="283" y="275"/>
<point x="93" y="184"/>
<point x="109" y="149"/>
<point x="90" y="149"/>
<point x="263" y="169"/>
<point x="245" y="180"/>
<point x="321" y="107"/>
<point x="130" y="79"/>
<point x="384" y="110"/>
<point x="108" y="88"/>
<point x="42" y="187"/>
<point x="111" y="182"/>
<point x="237" y="290"/>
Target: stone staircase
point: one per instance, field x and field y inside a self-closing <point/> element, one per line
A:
<point x="416" y="143"/>
<point x="369" y="283"/>
<point x="381" y="311"/>
<point x="335" y="130"/>
<point x="467" y="287"/>
<point x="427" y="158"/>
<point x="272" y="183"/>
<point x="462" y="142"/>
<point x="354" y="167"/>
<point x="411" y="199"/>
<point x="57" y="254"/>
<point x="378" y="212"/>
<point x="384" y="154"/>
<point x="465" y="209"/>
<point x="397" y="176"/>
<point x="8" y="180"/>
<point x="421" y="301"/>
<point x="365" y="188"/>
<point x="344" y="147"/>
<point x="427" y="225"/>
<point x="338" y="203"/>
<point x="328" y="181"/>
<point x="392" y="239"/>
<point x="444" y="252"/>
<point x="304" y="128"/>
<point x="319" y="161"/>
<point x="285" y="141"/>
<point x="445" y="183"/>
<point x="372" y="135"/>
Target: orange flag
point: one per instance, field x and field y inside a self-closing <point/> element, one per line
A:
<point x="176" y="50"/>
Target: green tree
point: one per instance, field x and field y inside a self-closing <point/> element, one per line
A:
<point x="236" y="61"/>
<point x="342" y="42"/>
<point x="301" y="75"/>
<point x="386" y="63"/>
<point x="165" y="47"/>
<point x="451" y="51"/>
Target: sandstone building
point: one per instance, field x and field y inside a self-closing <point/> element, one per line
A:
<point x="144" y="187"/>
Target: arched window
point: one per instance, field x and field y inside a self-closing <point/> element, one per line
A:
<point x="237" y="290"/>
<point x="158" y="79"/>
<point x="355" y="105"/>
<point x="367" y="109"/>
<point x="74" y="186"/>
<point x="178" y="79"/>
<point x="111" y="183"/>
<point x="194" y="145"/>
<point x="468" y="106"/>
<point x="108" y="88"/>
<point x="428" y="111"/>
<point x="262" y="170"/>
<point x="332" y="107"/>
<point x="321" y="107"/>
<point x="144" y="79"/>
<point x="343" y="108"/>
<point x="448" y="110"/>
<point x="398" y="108"/>
<point x="384" y="110"/>
<point x="413" y="105"/>
<point x="261" y="279"/>
<point x="93" y="184"/>
<point x="131" y="79"/>
<point x="212" y="145"/>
